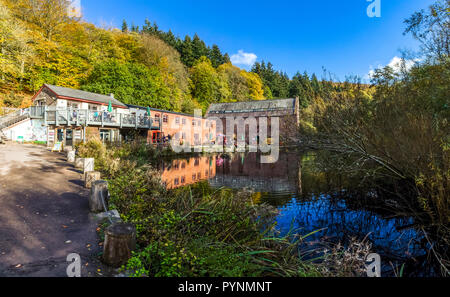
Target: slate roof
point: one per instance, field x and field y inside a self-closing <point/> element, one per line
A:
<point x="158" y="110"/>
<point x="83" y="95"/>
<point x="253" y="106"/>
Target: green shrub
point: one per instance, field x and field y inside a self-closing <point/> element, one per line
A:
<point x="190" y="231"/>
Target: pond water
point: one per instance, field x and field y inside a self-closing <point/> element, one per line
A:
<point x="309" y="200"/>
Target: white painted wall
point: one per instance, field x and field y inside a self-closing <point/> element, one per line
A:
<point x="39" y="130"/>
<point x="31" y="130"/>
<point x="122" y="110"/>
<point x="61" y="104"/>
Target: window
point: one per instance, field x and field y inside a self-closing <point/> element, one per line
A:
<point x="177" y="120"/>
<point x="176" y="181"/>
<point x="197" y="162"/>
<point x="206" y="173"/>
<point x="196" y="139"/>
<point x="105" y="135"/>
<point x="199" y="123"/>
<point x="176" y="165"/>
<point x="194" y="177"/>
<point x="183" y="165"/>
<point x="199" y="175"/>
<point x="183" y="121"/>
<point x="74" y="105"/>
<point x="183" y="179"/>
<point x="193" y="122"/>
<point x="165" y="118"/>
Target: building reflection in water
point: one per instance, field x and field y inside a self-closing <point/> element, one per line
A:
<point x="246" y="171"/>
<point x="237" y="171"/>
<point x="183" y="172"/>
<point x="313" y="206"/>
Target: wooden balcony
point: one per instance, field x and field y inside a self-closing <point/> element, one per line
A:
<point x="80" y="117"/>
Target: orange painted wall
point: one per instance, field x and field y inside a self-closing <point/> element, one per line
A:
<point x="204" y="129"/>
<point x="180" y="173"/>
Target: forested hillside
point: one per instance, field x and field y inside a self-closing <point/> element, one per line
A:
<point x="40" y="43"/>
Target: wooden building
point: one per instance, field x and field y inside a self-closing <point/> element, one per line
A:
<point x="72" y="116"/>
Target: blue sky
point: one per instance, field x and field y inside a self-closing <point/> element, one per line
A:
<point x="294" y="35"/>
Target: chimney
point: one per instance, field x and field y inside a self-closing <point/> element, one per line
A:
<point x="111" y="95"/>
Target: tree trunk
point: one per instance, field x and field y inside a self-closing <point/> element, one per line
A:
<point x="98" y="195"/>
<point x="120" y="241"/>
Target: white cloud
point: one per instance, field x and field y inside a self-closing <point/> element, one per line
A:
<point x="243" y="58"/>
<point x="397" y="64"/>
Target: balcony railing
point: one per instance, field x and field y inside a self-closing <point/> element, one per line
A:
<point x="81" y="117"/>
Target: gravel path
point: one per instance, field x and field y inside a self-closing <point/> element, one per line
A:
<point x="44" y="215"/>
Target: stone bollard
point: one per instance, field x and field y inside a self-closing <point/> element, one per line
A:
<point x="71" y="156"/>
<point x="79" y="163"/>
<point x="99" y="191"/>
<point x="90" y="177"/>
<point x="88" y="165"/>
<point x="120" y="241"/>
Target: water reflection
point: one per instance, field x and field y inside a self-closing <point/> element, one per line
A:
<point x="183" y="172"/>
<point x="246" y="171"/>
<point x="310" y="200"/>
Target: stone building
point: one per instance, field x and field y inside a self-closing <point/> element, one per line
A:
<point x="286" y="110"/>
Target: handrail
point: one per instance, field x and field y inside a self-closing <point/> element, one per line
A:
<point x="10" y="116"/>
<point x="94" y="118"/>
<point x="4" y="111"/>
<point x="13" y="121"/>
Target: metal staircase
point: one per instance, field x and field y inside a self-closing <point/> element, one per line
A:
<point x="11" y="119"/>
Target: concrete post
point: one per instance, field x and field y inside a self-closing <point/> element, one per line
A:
<point x="90" y="177"/>
<point x="79" y="163"/>
<point x="88" y="165"/>
<point x="71" y="156"/>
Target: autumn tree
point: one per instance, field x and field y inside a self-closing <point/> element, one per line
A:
<point x="254" y="84"/>
<point x="236" y="81"/>
<point x="132" y="83"/>
<point x="15" y="53"/>
<point x="206" y="84"/>
<point x="47" y="14"/>
<point x="155" y="52"/>
<point x="432" y="29"/>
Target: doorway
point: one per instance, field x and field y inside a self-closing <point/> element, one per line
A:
<point x="69" y="137"/>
